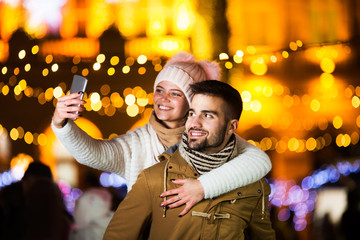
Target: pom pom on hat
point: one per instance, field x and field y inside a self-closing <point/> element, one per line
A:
<point x="183" y="70"/>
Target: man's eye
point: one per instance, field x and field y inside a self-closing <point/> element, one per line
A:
<point x="159" y="90"/>
<point x="207" y="116"/>
<point x="191" y="114"/>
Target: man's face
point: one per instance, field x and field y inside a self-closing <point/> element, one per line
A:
<point x="207" y="128"/>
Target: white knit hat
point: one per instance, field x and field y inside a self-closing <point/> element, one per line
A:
<point x="183" y="70"/>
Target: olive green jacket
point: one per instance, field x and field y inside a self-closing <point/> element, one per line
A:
<point x="139" y="215"/>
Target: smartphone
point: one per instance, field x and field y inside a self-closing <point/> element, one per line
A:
<point x="78" y="84"/>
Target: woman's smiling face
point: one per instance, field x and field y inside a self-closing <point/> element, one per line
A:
<point x="170" y="104"/>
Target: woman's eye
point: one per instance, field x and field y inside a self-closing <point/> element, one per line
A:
<point x="159" y="90"/>
<point x="175" y="94"/>
<point x="207" y="115"/>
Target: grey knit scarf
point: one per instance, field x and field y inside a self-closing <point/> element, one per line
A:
<point x="202" y="162"/>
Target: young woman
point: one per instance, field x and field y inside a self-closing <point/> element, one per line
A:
<point x="128" y="154"/>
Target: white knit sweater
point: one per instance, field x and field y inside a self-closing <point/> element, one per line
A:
<point x="129" y="154"/>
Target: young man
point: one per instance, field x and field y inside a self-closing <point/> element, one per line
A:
<point x="208" y="142"/>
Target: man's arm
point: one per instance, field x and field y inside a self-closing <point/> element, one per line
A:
<point x="132" y="219"/>
<point x="248" y="167"/>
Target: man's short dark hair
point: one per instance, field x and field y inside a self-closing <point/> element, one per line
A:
<point x="224" y="91"/>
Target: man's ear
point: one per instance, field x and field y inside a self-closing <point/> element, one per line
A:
<point x="232" y="126"/>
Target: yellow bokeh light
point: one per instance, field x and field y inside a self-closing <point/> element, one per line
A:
<point x="358" y="121"/>
<point x="285" y="54"/>
<point x="327" y="80"/>
<point x="76" y="59"/>
<point x="246" y="96"/>
<point x="228" y="65"/>
<point x="288" y="101"/>
<point x="58" y="92"/>
<point x="223" y="56"/>
<point x="273" y="59"/>
<point x="299" y="43"/>
<point x="49" y="58"/>
<point x="251" y="49"/>
<point x="116" y="100"/>
<point x="355" y="101"/>
<point x="315" y="105"/>
<point x="96" y="106"/>
<point x="45" y="72"/>
<point x="183" y="18"/>
<point x="4" y="70"/>
<point x="323" y="124"/>
<point x="54" y="67"/>
<point x="35" y="49"/>
<point x="14" y="134"/>
<point x="142" y="70"/>
<point x="293" y="144"/>
<point x="27" y="67"/>
<point x="22" y="54"/>
<point x="281" y="146"/>
<point x="130" y="61"/>
<point x="126" y="69"/>
<point x="354" y="138"/>
<point x="293" y="46"/>
<point x="239" y="53"/>
<point x="49" y="93"/>
<point x="106" y="102"/>
<point x="42" y="139"/>
<point x="237" y="59"/>
<point x="267" y="91"/>
<point x="94" y="97"/>
<point x="111" y="71"/>
<point x="114" y="60"/>
<point x="266" y="143"/>
<point x="96" y="66"/>
<point x="21" y="132"/>
<point x="311" y="144"/>
<point x="5" y="90"/>
<point x="28" y="137"/>
<point x="256" y="106"/>
<point x="105" y="89"/>
<point x="17" y="71"/>
<point x="85" y="72"/>
<point x="327" y="65"/>
<point x="142" y="102"/>
<point x="130" y="99"/>
<point x="22" y="84"/>
<point x="258" y="68"/>
<point x="17" y="90"/>
<point x="349" y="91"/>
<point x="132" y="110"/>
<point x="337" y="122"/>
<point x="142" y="59"/>
<point x="100" y="58"/>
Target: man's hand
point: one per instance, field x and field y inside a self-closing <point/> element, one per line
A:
<point x="190" y="193"/>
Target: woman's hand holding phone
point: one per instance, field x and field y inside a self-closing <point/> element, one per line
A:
<point x="70" y="106"/>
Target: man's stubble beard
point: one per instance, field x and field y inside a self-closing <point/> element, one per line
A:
<point x="205" y="144"/>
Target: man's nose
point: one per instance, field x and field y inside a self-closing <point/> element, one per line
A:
<point x="195" y="122"/>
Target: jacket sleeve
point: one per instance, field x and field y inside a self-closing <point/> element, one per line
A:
<point x="260" y="226"/>
<point x="108" y="155"/>
<point x="132" y="219"/>
<point x="248" y="167"/>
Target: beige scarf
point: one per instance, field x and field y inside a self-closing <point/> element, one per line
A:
<point x="202" y="162"/>
<point x="167" y="136"/>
